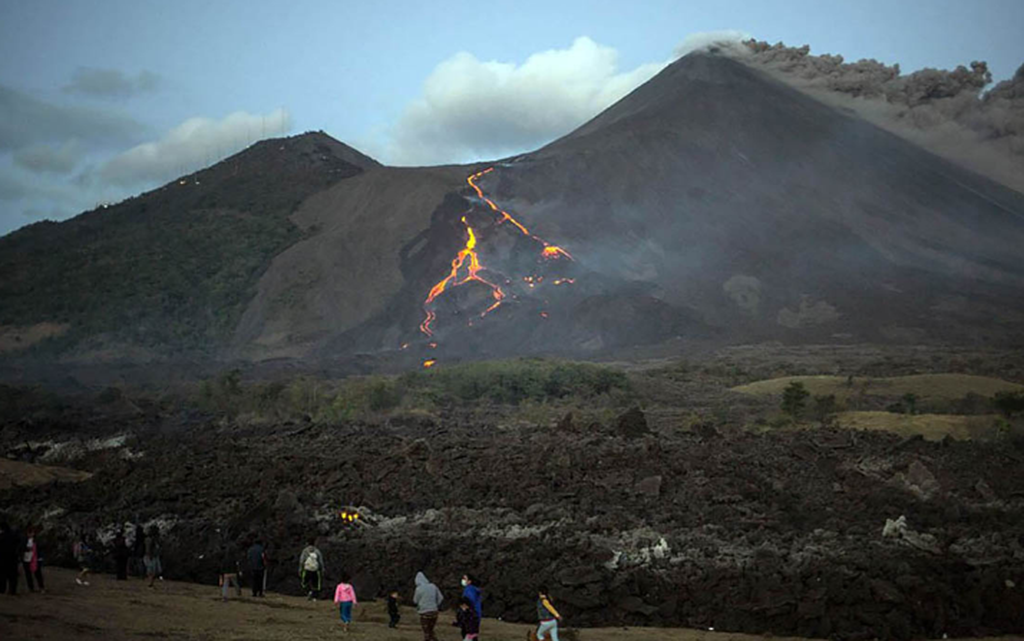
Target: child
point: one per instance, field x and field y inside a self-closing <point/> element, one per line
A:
<point x="345" y="597"/>
<point x="82" y="555"/>
<point x="393" y="609"/>
<point x="467" y="620"/>
<point x="547" y="616"/>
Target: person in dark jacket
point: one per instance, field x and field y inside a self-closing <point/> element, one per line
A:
<point x="393" y="614"/>
<point x="547" y="616"/>
<point x="10" y="550"/>
<point x="256" y="556"/>
<point x="466" y="620"/>
<point x="121" y="556"/>
<point x="138" y="551"/>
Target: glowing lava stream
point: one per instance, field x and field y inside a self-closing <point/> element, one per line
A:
<point x="473" y="267"/>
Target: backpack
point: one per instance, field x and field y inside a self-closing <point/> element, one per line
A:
<point x="312" y="563"/>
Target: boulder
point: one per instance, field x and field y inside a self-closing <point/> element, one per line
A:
<point x="650" y="486"/>
<point x="632" y="424"/>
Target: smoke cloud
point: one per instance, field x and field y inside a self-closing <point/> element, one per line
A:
<point x="26" y="121"/>
<point x="110" y="83"/>
<point x="44" y="158"/>
<point x="946" y="112"/>
<point x="194" y="143"/>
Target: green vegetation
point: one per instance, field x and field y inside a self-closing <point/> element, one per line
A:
<point x="170" y="270"/>
<point x="537" y="389"/>
<point x="794" y="399"/>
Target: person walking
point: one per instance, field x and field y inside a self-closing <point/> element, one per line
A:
<point x="229" y="570"/>
<point x="547" y="616"/>
<point x="83" y="557"/>
<point x="121" y="556"/>
<point x="345" y="597"/>
<point x="138" y="565"/>
<point x="311" y="570"/>
<point x="428" y="599"/>
<point x="256" y="556"/>
<point x="9" y="556"/>
<point x="32" y="562"/>
<point x="466" y="620"/>
<point x="471" y="591"/>
<point x="393" y="613"/>
<point x="151" y="555"/>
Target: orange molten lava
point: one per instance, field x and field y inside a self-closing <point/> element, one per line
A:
<point x="430" y="362"/>
<point x="466" y="265"/>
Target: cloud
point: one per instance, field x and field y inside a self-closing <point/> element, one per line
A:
<point x="26" y="121"/>
<point x="471" y="108"/>
<point x="194" y="143"/>
<point x="43" y="158"/>
<point x="111" y="83"/>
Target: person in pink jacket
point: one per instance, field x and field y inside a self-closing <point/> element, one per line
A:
<point x="345" y="597"/>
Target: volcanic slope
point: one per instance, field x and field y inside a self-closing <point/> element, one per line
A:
<point x="172" y="269"/>
<point x="711" y="196"/>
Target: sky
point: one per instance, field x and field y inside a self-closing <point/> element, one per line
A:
<point x="104" y="99"/>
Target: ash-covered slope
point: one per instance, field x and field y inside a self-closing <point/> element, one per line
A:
<point x="171" y="270"/>
<point x="775" y="215"/>
<point x="713" y="200"/>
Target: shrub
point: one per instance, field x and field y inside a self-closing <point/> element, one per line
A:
<point x="1009" y="403"/>
<point x="794" y="399"/>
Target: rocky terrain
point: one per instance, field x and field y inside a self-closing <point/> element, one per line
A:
<point x="814" y="532"/>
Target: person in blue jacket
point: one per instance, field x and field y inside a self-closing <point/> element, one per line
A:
<point x="471" y="591"/>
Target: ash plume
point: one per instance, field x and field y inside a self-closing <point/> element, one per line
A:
<point x="947" y="112"/>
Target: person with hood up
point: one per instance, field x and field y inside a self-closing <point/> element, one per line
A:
<point x="256" y="555"/>
<point x="428" y="599"/>
<point x="311" y="569"/>
<point x="471" y="591"/>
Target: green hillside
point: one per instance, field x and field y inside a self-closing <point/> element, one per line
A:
<point x="171" y="269"/>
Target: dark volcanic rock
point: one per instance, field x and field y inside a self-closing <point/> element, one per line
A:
<point x="632" y="424"/>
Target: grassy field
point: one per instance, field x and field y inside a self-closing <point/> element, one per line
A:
<point x="933" y="427"/>
<point x="115" y="610"/>
<point x="924" y="386"/>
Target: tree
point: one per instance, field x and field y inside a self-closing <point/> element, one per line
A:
<point x="1009" y="403"/>
<point x="825" y="409"/>
<point x="794" y="399"/>
<point x="910" y="402"/>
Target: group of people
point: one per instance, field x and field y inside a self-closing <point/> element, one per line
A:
<point x="427" y="598"/>
<point x="19" y="553"/>
<point x="143" y="557"/>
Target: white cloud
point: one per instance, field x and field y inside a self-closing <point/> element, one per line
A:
<point x="472" y="108"/>
<point x="191" y="145"/>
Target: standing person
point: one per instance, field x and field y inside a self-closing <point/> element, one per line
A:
<point x="139" y="551"/>
<point x="229" y="570"/>
<point x="547" y="616"/>
<point x="9" y="555"/>
<point x="311" y="569"/>
<point x="428" y="601"/>
<point x="256" y="556"/>
<point x="32" y="562"/>
<point x="393" y="613"/>
<point x="345" y="597"/>
<point x="471" y="591"/>
<point x="466" y="619"/>
<point x="121" y="554"/>
<point x="83" y="557"/>
<point x="151" y="556"/>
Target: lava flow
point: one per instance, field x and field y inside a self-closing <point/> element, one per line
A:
<point x="466" y="265"/>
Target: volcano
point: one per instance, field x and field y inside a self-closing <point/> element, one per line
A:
<point x="712" y="202"/>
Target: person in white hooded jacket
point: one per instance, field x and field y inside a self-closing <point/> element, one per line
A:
<point x="428" y="599"/>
